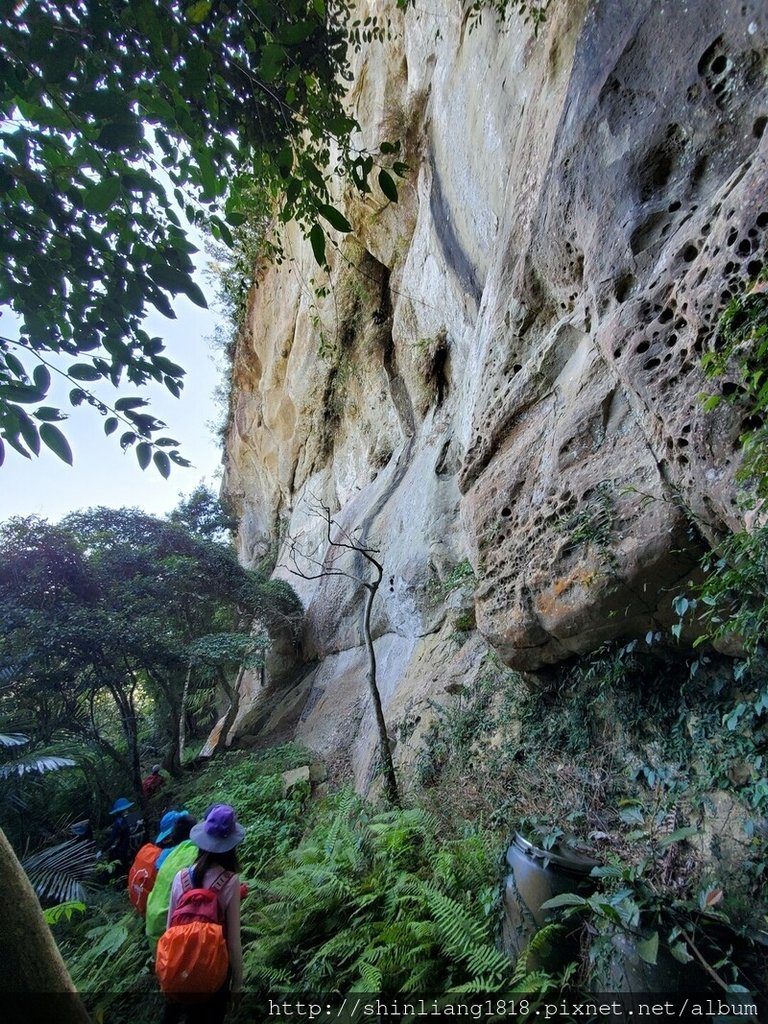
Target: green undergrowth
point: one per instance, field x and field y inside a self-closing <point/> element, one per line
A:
<point x="105" y="948"/>
<point x="343" y="897"/>
<point x="653" y="762"/>
<point x="381" y="902"/>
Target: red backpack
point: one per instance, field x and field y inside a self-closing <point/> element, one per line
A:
<point x="192" y="957"/>
<point x="141" y="877"/>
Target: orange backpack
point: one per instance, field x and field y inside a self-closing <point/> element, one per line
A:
<point x="141" y="877"/>
<point x="192" y="957"/>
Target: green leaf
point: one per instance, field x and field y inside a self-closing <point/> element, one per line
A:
<point x="293" y="34"/>
<point x="198" y="12"/>
<point x="208" y="176"/>
<point x="83" y="371"/>
<point x="129" y="403"/>
<point x="121" y="136"/>
<point x="648" y="949"/>
<point x="102" y="196"/>
<point x="679" y="951"/>
<point x="24" y="393"/>
<point x="28" y="431"/>
<point x="387" y="186"/>
<point x="220" y="228"/>
<point x="163" y="464"/>
<point x="48" y="414"/>
<point x="144" y="454"/>
<point x="110" y="424"/>
<point x="334" y="217"/>
<point x="681" y="605"/>
<point x="317" y="241"/>
<point x="565" y="899"/>
<point x="63" y="910"/>
<point x="14" y="365"/>
<point x="53" y="438"/>
<point x="194" y="294"/>
<point x="272" y="58"/>
<point x="678" y="836"/>
<point x="42" y="378"/>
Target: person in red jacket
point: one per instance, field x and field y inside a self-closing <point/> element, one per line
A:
<point x="153" y="783"/>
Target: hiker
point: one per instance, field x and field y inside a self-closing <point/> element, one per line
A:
<point x="181" y="853"/>
<point x="143" y="872"/>
<point x="175" y="827"/>
<point x="153" y="783"/>
<point x="118" y="842"/>
<point x="208" y="890"/>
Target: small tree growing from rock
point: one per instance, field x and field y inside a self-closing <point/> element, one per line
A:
<point x="309" y="566"/>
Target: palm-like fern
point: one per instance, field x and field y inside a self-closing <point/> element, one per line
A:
<point x="58" y="872"/>
<point x="21" y="766"/>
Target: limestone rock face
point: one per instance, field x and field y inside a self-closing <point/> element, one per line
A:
<point x="504" y="365"/>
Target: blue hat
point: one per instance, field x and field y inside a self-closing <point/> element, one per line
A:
<point x="167" y="822"/>
<point x="121" y="804"/>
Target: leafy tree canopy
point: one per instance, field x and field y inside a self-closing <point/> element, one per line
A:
<point x="118" y="117"/>
<point x="102" y="615"/>
<point x="204" y="514"/>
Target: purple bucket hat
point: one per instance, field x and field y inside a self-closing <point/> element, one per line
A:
<point x="219" y="832"/>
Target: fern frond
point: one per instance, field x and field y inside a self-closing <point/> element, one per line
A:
<point x="370" y="977"/>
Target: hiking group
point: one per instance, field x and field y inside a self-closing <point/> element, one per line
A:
<point x="186" y="884"/>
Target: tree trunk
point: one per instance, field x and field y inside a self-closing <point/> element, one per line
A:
<point x="390" y="779"/>
<point x="30" y="961"/>
<point x="183" y="716"/>
<point x="233" y="695"/>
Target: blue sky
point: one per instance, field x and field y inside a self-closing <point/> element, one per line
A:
<point x="102" y="474"/>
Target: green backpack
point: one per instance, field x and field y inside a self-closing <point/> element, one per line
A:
<point x="182" y="856"/>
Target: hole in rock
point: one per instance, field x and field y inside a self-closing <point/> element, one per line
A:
<point x="624" y="287"/>
<point x="719" y="64"/>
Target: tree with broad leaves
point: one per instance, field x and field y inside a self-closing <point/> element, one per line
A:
<point x="334" y="561"/>
<point x="100" y="617"/>
<point x="205" y="514"/>
<point x="120" y="120"/>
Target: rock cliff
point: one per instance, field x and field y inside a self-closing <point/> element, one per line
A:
<point x="504" y="366"/>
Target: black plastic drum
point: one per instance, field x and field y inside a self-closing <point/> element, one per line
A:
<point x="537" y="875"/>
